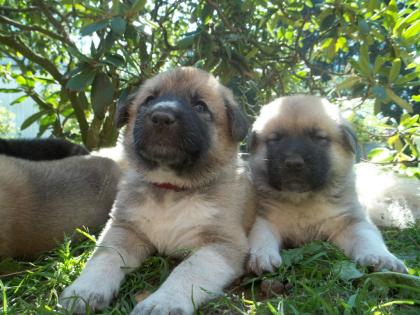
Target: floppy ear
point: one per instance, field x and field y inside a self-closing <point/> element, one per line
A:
<point x="124" y="102"/>
<point x="238" y="122"/>
<point x="252" y="141"/>
<point x="349" y="138"/>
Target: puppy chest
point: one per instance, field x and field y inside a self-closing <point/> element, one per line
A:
<point x="175" y="225"/>
<point x="301" y="224"/>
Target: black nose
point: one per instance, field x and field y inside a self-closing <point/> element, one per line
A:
<point x="294" y="162"/>
<point x="161" y="118"/>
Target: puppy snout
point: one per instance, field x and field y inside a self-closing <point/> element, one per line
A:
<point x="294" y="162"/>
<point x="162" y="118"/>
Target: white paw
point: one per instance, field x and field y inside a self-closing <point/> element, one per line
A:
<point x="165" y="303"/>
<point x="263" y="260"/>
<point x="381" y="261"/>
<point x="83" y="295"/>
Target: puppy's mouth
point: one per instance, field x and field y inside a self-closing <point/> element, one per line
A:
<point x="162" y="153"/>
<point x="296" y="185"/>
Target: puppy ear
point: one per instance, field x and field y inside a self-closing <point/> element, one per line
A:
<point x="349" y="138"/>
<point x="123" y="104"/>
<point x="252" y="141"/>
<point x="238" y="123"/>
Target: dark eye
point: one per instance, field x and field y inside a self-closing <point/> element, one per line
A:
<point x="275" y="136"/>
<point x="200" y="107"/>
<point x="149" y="99"/>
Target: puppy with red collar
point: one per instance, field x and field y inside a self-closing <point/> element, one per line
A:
<point x="184" y="189"/>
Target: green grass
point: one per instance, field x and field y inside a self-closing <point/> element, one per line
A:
<point x="315" y="279"/>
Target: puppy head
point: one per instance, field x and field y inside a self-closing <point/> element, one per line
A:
<point x="301" y="144"/>
<point x="182" y="127"/>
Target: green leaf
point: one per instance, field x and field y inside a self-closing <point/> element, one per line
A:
<point x="381" y="155"/>
<point x="114" y="59"/>
<point x="292" y="256"/>
<point x="407" y="78"/>
<point x="79" y="81"/>
<point x="328" y="21"/>
<point x="396" y="279"/>
<point x="118" y="25"/>
<point x="363" y="27"/>
<point x="364" y="58"/>
<point x="102" y="94"/>
<point x="10" y="90"/>
<point x="408" y="121"/>
<point x="31" y="119"/>
<point x="94" y="27"/>
<point x="395" y="70"/>
<point x="379" y="61"/>
<point x="348" y="83"/>
<point x="186" y="42"/>
<point x="20" y="80"/>
<point x="131" y="33"/>
<point x="398" y="100"/>
<point x="19" y="100"/>
<point x="413" y="30"/>
<point x="206" y="13"/>
<point x="347" y="270"/>
<point x="137" y="6"/>
<point x="76" y="53"/>
<point x="379" y="92"/>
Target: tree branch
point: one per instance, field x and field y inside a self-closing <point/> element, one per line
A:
<point x="57" y="24"/>
<point x="6" y="20"/>
<point x="80" y="115"/>
<point x="10" y="9"/>
<point x="16" y="44"/>
<point x="225" y="21"/>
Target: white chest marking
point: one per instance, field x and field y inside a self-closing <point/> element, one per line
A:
<point x="173" y="225"/>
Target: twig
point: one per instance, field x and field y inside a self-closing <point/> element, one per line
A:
<point x="16" y="44"/>
<point x="222" y="16"/>
<point x="6" y="20"/>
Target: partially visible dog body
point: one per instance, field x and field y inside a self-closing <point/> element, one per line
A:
<point x="302" y="157"/>
<point x="185" y="190"/>
<point x="389" y="199"/>
<point x="40" y="202"/>
<point x="41" y="149"/>
<point x="115" y="153"/>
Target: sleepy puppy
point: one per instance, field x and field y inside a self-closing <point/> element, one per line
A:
<point x="302" y="156"/>
<point x="184" y="190"/>
<point x="41" y="149"/>
<point x="42" y="201"/>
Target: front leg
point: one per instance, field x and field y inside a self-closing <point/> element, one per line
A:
<point x="363" y="242"/>
<point x="196" y="280"/>
<point x="264" y="243"/>
<point x="119" y="251"/>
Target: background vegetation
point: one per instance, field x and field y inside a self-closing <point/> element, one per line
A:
<point x="77" y="59"/>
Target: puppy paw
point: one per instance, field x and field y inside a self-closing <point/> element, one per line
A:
<point x="381" y="261"/>
<point x="263" y="260"/>
<point x="164" y="303"/>
<point x="81" y="295"/>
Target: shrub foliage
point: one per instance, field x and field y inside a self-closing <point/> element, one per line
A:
<point x="77" y="59"/>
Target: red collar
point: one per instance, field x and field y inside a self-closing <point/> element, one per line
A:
<point x="169" y="186"/>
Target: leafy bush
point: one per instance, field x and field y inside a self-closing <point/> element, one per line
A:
<point x="7" y="127"/>
<point x="84" y="57"/>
